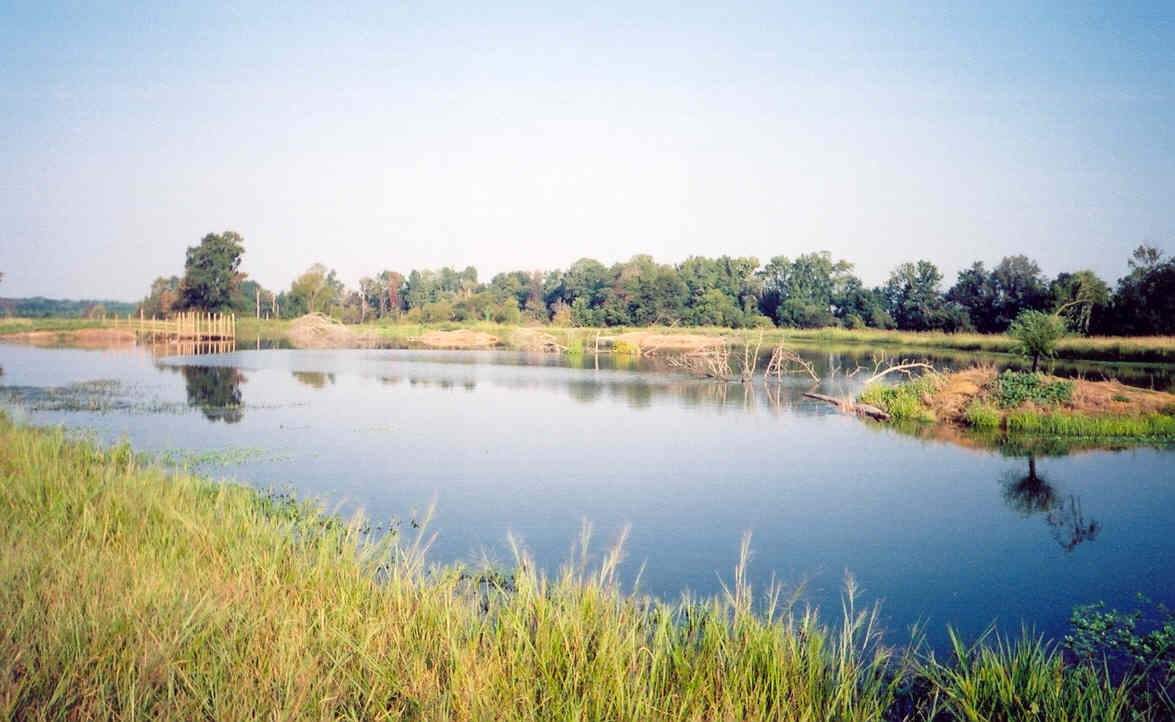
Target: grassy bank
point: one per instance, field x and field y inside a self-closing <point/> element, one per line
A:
<point x="1029" y="404"/>
<point x="127" y="592"/>
<point x="31" y="325"/>
<point x="1120" y="349"/>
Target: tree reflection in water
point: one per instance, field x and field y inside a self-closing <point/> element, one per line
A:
<point x="216" y="391"/>
<point x="1032" y="493"/>
<point x="314" y="379"/>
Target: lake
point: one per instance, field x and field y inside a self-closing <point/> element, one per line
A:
<point x="532" y="446"/>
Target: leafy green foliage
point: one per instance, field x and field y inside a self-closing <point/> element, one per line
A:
<point x="1011" y="389"/>
<point x="211" y="272"/>
<point x="1037" y="334"/>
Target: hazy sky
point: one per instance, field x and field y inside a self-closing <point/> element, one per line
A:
<point x="386" y="135"/>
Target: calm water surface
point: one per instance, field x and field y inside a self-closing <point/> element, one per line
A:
<point x="507" y="443"/>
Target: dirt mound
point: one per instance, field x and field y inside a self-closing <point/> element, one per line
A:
<point x="649" y="342"/>
<point x="1094" y="398"/>
<point x="315" y="330"/>
<point x="951" y="400"/>
<point x="533" y="339"/>
<point x="461" y="338"/>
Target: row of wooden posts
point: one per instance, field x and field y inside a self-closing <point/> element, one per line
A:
<point x="190" y="325"/>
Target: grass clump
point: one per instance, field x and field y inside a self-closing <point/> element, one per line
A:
<point x="906" y="402"/>
<point x="1012" y="389"/>
<point x="1024" y="679"/>
<point x="982" y="416"/>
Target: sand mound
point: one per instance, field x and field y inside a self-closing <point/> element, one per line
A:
<point x="462" y="338"/>
<point x="315" y="330"/>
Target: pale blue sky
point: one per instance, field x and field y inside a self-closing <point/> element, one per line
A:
<point x="383" y="135"/>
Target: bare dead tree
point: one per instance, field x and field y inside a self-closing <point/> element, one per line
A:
<point x="751" y="358"/>
<point x="712" y="362"/>
<point x="785" y="361"/>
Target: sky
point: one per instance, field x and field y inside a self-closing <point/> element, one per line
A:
<point x="386" y="135"/>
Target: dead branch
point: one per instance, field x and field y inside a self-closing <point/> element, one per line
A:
<point x="849" y="407"/>
<point x="713" y="362"/>
<point x="751" y="358"/>
<point x="785" y="361"/>
<point x="905" y="367"/>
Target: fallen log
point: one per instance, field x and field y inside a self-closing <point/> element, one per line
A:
<point x="849" y="407"/>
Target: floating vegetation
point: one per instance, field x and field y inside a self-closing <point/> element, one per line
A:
<point x="187" y="459"/>
<point x="100" y="396"/>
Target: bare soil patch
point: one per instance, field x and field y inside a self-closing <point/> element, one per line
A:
<point x="315" y="330"/>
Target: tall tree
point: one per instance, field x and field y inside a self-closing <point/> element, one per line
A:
<point x="912" y="296"/>
<point x="315" y="291"/>
<point x="1019" y="286"/>
<point x="211" y="272"/>
<point x="975" y="291"/>
<point x="1079" y="297"/>
<point x="1144" y="302"/>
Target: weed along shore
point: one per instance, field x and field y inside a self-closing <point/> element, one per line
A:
<point x="130" y="591"/>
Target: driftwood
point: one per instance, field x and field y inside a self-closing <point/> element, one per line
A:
<point x="850" y="407"/>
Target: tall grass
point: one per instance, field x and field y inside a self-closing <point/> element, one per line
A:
<point x="1024" y="679"/>
<point x="125" y="592"/>
<point x="1062" y="424"/>
<point x="129" y="593"/>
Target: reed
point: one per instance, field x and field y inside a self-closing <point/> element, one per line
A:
<point x="129" y="592"/>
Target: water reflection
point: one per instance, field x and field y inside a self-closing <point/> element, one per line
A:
<point x="1032" y="493"/>
<point x="216" y="391"/>
<point x="314" y="379"/>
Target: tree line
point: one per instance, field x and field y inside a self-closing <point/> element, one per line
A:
<point x="810" y="291"/>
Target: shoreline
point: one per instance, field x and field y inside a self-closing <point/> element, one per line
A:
<point x="1107" y="349"/>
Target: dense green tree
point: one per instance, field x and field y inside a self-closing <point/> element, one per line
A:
<point x="810" y="291"/>
<point x="211" y="272"/>
<point x="1019" y="285"/>
<point x="975" y="291"/>
<point x="912" y="297"/>
<point x="1144" y="302"/>
<point x="315" y="291"/>
<point x="1080" y="297"/>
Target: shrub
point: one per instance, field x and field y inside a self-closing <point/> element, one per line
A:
<point x="1011" y="389"/>
<point x="1036" y="335"/>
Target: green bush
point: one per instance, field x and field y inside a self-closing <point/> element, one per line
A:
<point x="1012" y="388"/>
